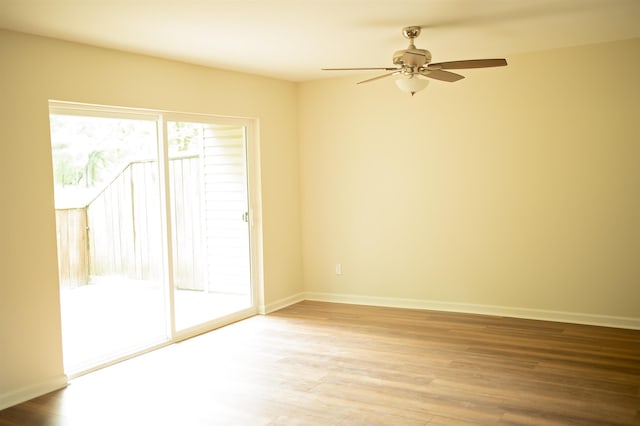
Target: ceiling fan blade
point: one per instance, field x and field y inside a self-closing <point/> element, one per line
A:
<point x="397" y="71"/>
<point x="358" y="69"/>
<point x="442" y="75"/>
<point x="470" y="63"/>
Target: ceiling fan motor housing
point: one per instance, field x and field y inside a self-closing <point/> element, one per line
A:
<point x="412" y="57"/>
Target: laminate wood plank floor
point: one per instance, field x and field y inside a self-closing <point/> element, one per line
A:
<point x="317" y="363"/>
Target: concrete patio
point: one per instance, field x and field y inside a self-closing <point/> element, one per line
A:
<point x="111" y="318"/>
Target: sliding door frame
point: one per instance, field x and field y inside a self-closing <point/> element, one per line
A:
<point x="161" y="117"/>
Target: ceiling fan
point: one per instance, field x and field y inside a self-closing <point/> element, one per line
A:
<point x="413" y="63"/>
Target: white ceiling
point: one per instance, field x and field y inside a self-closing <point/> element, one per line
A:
<point x="293" y="39"/>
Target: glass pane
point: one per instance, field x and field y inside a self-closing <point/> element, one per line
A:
<point x="208" y="193"/>
<point x="109" y="248"/>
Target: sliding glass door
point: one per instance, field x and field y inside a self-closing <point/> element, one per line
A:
<point x="107" y="196"/>
<point x="154" y="225"/>
<point x="209" y="221"/>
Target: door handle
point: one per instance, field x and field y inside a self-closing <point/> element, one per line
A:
<point x="245" y="217"/>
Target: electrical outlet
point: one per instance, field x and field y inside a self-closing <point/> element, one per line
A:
<point x="338" y="268"/>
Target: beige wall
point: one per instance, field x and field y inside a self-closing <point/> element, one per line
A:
<point x="516" y="187"/>
<point x="34" y="70"/>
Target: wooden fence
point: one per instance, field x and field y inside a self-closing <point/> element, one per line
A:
<point x="73" y="254"/>
<point x="119" y="232"/>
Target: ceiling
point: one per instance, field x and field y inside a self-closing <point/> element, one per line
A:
<point x="293" y="39"/>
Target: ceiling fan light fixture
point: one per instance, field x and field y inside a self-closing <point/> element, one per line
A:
<point x="411" y="84"/>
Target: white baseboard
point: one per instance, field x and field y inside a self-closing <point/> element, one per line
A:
<point x="504" y="311"/>
<point x="29" y="392"/>
<point x="282" y="303"/>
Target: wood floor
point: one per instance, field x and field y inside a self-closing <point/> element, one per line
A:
<point x="330" y="364"/>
